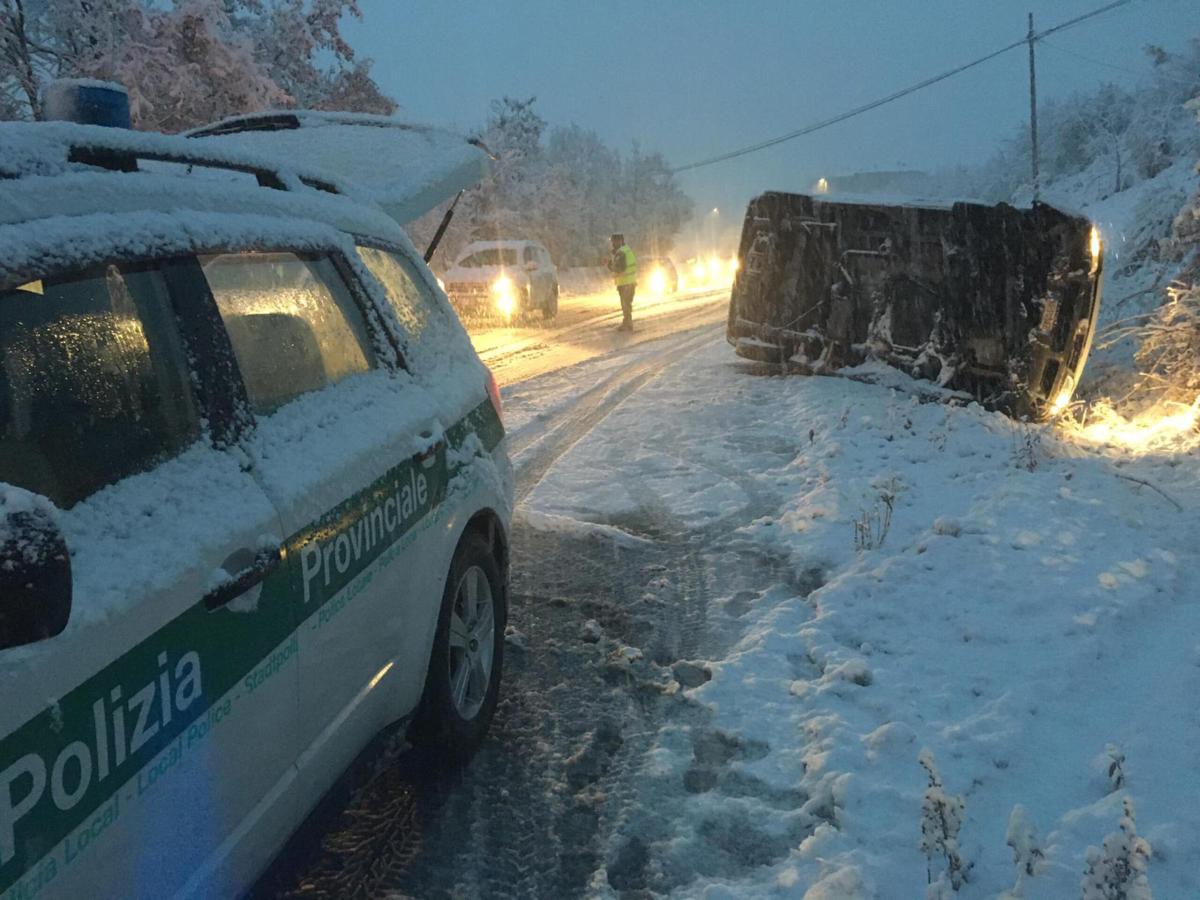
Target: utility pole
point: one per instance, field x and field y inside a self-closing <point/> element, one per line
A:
<point x="1037" y="187"/>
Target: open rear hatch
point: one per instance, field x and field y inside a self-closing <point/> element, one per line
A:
<point x="405" y="169"/>
<point x="995" y="301"/>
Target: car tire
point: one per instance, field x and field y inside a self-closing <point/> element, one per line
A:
<point x="462" y="686"/>
<point x="550" y="310"/>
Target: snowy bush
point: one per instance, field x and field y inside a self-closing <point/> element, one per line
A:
<point x="1116" y="767"/>
<point x="1028" y="856"/>
<point x="1117" y="871"/>
<point x="1027" y="447"/>
<point x="872" y="525"/>
<point x="941" y="820"/>
<point x="1168" y="354"/>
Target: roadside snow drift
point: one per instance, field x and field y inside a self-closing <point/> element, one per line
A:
<point x="1017" y="603"/>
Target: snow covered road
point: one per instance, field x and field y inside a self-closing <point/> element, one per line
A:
<point x="743" y="604"/>
<point x="586" y="329"/>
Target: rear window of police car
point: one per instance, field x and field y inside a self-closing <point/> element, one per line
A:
<point x="292" y="321"/>
<point x="94" y="380"/>
<point x="433" y="334"/>
<point x="94" y="384"/>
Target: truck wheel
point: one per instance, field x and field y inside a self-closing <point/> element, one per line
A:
<point x="462" y="686"/>
<point x="550" y="310"/>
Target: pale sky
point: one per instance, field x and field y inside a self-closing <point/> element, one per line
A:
<point x="693" y="79"/>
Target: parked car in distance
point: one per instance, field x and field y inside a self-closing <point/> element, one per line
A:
<point x="658" y="274"/>
<point x="255" y="502"/>
<point x="503" y="278"/>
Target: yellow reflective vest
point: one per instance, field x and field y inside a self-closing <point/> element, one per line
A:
<point x="629" y="274"/>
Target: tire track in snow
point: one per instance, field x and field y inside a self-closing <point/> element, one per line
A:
<point x="536" y="453"/>
<point x="495" y="356"/>
<point x="560" y="802"/>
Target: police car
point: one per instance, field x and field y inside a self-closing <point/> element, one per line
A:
<point x="254" y="507"/>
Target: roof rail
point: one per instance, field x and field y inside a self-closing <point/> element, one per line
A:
<point x="119" y="157"/>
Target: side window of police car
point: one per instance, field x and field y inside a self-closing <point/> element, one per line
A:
<point x="94" y="384"/>
<point x="431" y="329"/>
<point x="292" y="321"/>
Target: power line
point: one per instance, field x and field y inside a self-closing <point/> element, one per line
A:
<point x="1116" y="68"/>
<point x="875" y="104"/>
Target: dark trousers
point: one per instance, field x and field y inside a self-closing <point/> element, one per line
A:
<point x="626" y="292"/>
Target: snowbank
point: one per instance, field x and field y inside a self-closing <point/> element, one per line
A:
<point x="1015" y="602"/>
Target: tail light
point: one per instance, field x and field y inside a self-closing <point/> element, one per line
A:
<point x="493" y="392"/>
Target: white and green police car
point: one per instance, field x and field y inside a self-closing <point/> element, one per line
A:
<point x="254" y="506"/>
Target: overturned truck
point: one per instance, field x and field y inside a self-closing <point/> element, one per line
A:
<point x="993" y="301"/>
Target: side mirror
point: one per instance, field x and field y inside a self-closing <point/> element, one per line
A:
<point x="35" y="571"/>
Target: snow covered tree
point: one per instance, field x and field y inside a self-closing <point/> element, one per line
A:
<point x="354" y="90"/>
<point x="1117" y="871"/>
<point x="651" y="205"/>
<point x="1168" y="355"/>
<point x="186" y="62"/>
<point x="1112" y="115"/>
<point x="1101" y="141"/>
<point x="299" y="44"/>
<point x="45" y="39"/>
<point x="563" y="187"/>
<point x="586" y="172"/>
<point x="20" y="40"/>
<point x="183" y="68"/>
<point x="941" y="820"/>
<point x="514" y="134"/>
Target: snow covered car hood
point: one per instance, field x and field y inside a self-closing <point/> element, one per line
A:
<point x="406" y="169"/>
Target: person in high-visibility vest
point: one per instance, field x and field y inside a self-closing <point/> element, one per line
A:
<point x="623" y="266"/>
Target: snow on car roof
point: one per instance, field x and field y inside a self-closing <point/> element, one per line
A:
<point x="406" y="169"/>
<point x="60" y="243"/>
<point x="52" y="148"/>
<point x="46" y="183"/>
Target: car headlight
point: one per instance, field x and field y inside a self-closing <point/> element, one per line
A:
<point x="504" y="296"/>
<point x="658" y="281"/>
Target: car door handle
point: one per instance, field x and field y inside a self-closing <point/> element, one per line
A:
<point x="428" y="456"/>
<point x="258" y="567"/>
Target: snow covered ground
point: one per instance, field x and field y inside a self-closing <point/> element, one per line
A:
<point x="585" y="329"/>
<point x="745" y="605"/>
<point x="1011" y="598"/>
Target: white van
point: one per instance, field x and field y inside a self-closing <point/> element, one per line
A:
<point x="254" y="507"/>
